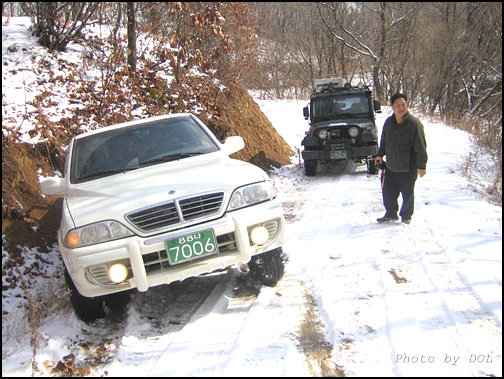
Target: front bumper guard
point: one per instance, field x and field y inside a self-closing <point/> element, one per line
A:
<point x="351" y="153"/>
<point x="134" y="250"/>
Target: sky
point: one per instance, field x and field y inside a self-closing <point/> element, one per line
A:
<point x="422" y="299"/>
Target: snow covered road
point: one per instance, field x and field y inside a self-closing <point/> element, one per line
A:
<point x="231" y="332"/>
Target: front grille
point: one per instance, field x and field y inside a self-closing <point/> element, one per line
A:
<point x="338" y="144"/>
<point x="200" y="206"/>
<point x="155" y="218"/>
<point x="176" y="212"/>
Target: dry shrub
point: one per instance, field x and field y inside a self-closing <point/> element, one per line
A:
<point x="487" y="137"/>
<point x="42" y="301"/>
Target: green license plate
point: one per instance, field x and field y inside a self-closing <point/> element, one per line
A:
<point x="338" y="154"/>
<point x="191" y="246"/>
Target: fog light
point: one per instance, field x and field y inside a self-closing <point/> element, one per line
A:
<point x="117" y="273"/>
<point x="259" y="235"/>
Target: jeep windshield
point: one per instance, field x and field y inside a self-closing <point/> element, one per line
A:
<point x="140" y="145"/>
<point x="337" y="106"/>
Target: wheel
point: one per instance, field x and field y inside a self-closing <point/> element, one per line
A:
<point x="90" y="308"/>
<point x="268" y="267"/>
<point x="310" y="168"/>
<point x="371" y="167"/>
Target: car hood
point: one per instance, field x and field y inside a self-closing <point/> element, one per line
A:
<point x="110" y="198"/>
<point x="359" y="121"/>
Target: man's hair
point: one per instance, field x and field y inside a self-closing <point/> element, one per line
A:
<point x="396" y="96"/>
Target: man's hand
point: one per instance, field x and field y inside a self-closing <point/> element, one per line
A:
<point x="378" y="159"/>
<point x="421" y="172"/>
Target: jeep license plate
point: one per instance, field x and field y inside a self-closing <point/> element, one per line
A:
<point x="338" y="154"/>
<point x="191" y="246"/>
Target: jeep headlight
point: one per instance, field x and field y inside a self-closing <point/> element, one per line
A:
<point x="99" y="232"/>
<point x="367" y="126"/>
<point x="322" y="134"/>
<point x="353" y="131"/>
<point x="252" y="194"/>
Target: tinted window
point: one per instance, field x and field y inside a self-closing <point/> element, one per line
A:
<point x="339" y="105"/>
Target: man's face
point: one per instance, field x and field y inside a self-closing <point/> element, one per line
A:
<point x="400" y="107"/>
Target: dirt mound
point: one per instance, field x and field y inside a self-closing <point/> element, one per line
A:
<point x="30" y="219"/>
<point x="241" y="116"/>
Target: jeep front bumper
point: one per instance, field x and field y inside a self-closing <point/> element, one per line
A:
<point x="351" y="153"/>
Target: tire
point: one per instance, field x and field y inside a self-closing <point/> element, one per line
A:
<point x="310" y="168"/>
<point x="371" y="167"/>
<point x="268" y="267"/>
<point x="91" y="308"/>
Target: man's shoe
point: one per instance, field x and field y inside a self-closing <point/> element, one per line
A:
<point x="406" y="220"/>
<point x="387" y="219"/>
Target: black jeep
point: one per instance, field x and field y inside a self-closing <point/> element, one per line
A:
<point x="342" y="125"/>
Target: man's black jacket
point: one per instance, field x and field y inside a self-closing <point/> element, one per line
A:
<point x="404" y="144"/>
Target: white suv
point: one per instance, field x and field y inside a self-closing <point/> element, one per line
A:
<point x="158" y="200"/>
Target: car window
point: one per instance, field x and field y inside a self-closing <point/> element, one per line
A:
<point x="331" y="106"/>
<point x="118" y="150"/>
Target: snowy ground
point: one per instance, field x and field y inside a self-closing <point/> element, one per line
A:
<point x="422" y="299"/>
<point x="399" y="300"/>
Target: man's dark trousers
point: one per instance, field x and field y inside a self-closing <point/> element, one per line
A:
<point x="396" y="183"/>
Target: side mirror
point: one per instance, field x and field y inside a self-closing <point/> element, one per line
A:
<point x="52" y="186"/>
<point x="234" y="144"/>
<point x="306" y="113"/>
<point x="377" y="106"/>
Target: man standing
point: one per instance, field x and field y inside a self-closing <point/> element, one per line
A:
<point x="403" y="142"/>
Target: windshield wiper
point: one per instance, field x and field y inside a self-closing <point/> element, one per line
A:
<point x="170" y="157"/>
<point x="106" y="173"/>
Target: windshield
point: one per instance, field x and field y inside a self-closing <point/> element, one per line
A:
<point x="330" y="106"/>
<point x="140" y="145"/>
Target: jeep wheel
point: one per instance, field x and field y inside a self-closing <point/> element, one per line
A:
<point x="268" y="267"/>
<point x="90" y="308"/>
<point x="371" y="167"/>
<point x="310" y="168"/>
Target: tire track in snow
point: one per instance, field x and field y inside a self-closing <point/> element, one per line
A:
<point x="399" y="293"/>
<point x="433" y="302"/>
<point x="154" y="319"/>
<point x="204" y="345"/>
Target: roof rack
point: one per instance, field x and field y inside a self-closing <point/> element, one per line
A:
<point x="335" y="85"/>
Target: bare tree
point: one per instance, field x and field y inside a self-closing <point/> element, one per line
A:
<point x="56" y="24"/>
<point x="354" y="29"/>
<point x="132" y="50"/>
<point x="296" y="48"/>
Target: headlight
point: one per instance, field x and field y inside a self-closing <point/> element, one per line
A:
<point x="353" y="131"/>
<point x="321" y="133"/>
<point x="96" y="233"/>
<point x="367" y="126"/>
<point x="252" y="194"/>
